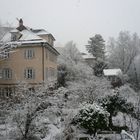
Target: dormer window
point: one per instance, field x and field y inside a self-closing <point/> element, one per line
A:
<point x="13" y="37"/>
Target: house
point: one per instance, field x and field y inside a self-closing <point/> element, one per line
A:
<point x="89" y="59"/>
<point x="33" y="61"/>
<point x="114" y="75"/>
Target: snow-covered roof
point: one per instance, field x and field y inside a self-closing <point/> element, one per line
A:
<point x="14" y="31"/>
<point x="25" y="36"/>
<point x="112" y="72"/>
<point x="40" y="32"/>
<point x="28" y="35"/>
<point x="87" y="56"/>
<point x="32" y="41"/>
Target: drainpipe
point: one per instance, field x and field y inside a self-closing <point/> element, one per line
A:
<point x="43" y="78"/>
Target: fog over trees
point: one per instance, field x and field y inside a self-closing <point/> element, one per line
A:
<point x="82" y="100"/>
<point x="124" y="52"/>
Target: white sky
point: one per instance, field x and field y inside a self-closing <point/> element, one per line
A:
<point x="75" y="20"/>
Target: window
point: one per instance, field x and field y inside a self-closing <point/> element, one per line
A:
<point x="13" y="37"/>
<point x="52" y="57"/>
<point x="6" y="73"/>
<point x="29" y="73"/>
<point x="6" y="92"/>
<point x="29" y="53"/>
<point x="52" y="73"/>
<point x="4" y="54"/>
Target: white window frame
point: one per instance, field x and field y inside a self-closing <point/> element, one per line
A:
<point x="6" y="73"/>
<point x="13" y="37"/>
<point x="6" y="91"/>
<point x="29" y="54"/>
<point x="29" y="73"/>
<point x="52" y="57"/>
<point x="52" y="73"/>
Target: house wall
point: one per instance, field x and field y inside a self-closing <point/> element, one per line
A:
<point x="50" y="63"/>
<point x="91" y="62"/>
<point x="48" y="38"/>
<point x="18" y="63"/>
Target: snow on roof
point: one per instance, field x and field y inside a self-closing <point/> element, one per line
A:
<point x="40" y="32"/>
<point x="32" y="41"/>
<point x="14" y="31"/>
<point x="112" y="72"/>
<point x="28" y="35"/>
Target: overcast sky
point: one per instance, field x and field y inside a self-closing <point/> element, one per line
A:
<point x="75" y="20"/>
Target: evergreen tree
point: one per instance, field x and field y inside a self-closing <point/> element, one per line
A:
<point x="96" y="46"/>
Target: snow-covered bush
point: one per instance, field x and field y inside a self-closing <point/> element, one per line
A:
<point x="116" y="103"/>
<point x="92" y="117"/>
<point x="128" y="93"/>
<point x="89" y="90"/>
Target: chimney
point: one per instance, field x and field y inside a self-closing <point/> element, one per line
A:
<point x="21" y="22"/>
<point x="21" y="26"/>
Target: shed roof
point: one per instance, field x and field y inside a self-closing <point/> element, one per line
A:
<point x="112" y="72"/>
<point x="87" y="56"/>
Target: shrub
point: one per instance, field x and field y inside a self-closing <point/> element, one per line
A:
<point x="92" y="117"/>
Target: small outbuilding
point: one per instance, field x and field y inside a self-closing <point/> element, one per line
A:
<point x="89" y="59"/>
<point x="114" y="75"/>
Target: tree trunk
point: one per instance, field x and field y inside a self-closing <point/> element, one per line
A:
<point x="136" y="75"/>
<point x="110" y="122"/>
<point x="27" y="125"/>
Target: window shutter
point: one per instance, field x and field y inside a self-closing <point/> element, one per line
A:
<point x="33" y="73"/>
<point x="33" y="53"/>
<point x="10" y="73"/>
<point x="25" y="54"/>
<point x="25" y="73"/>
<point x="0" y="73"/>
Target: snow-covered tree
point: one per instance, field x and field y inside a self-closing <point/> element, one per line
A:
<point x="26" y="113"/>
<point x="92" y="117"/>
<point x="5" y="47"/>
<point x="71" y="59"/>
<point x="124" y="49"/>
<point x="123" y="52"/>
<point x="70" y="54"/>
<point x="116" y="103"/>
